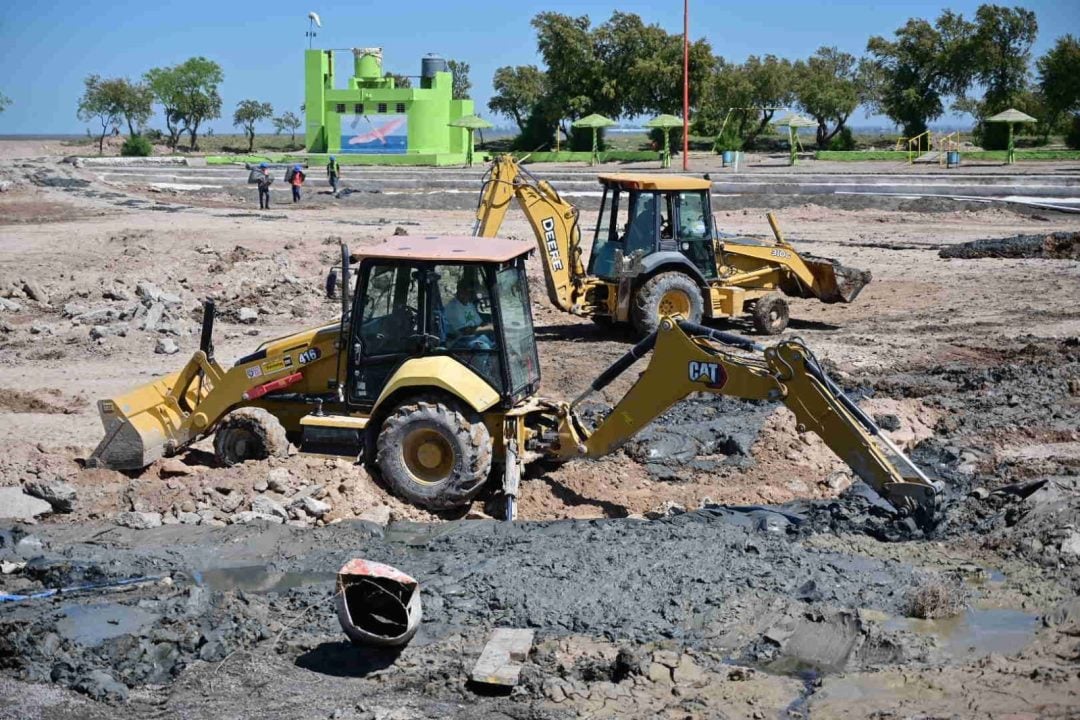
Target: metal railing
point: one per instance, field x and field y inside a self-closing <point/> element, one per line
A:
<point x="915" y="145"/>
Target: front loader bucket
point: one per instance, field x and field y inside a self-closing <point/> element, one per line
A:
<point x="140" y="426"/>
<point x="833" y="282"/>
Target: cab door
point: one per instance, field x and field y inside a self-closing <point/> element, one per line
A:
<point x="387" y="328"/>
<point x="692" y="230"/>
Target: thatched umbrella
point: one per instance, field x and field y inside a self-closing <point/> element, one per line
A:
<point x="1011" y="116"/>
<point x="665" y="123"/>
<point x="793" y="122"/>
<point x="471" y="123"/>
<point x="594" y="122"/>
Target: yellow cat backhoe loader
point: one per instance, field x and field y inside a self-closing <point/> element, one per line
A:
<point x="656" y="252"/>
<point x="431" y="374"/>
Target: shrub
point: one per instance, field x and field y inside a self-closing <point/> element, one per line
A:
<point x="581" y="139"/>
<point x="136" y="146"/>
<point x="992" y="136"/>
<point x="1072" y="137"/>
<point x="842" y="140"/>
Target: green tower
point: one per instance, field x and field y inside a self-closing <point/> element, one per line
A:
<point x="372" y="121"/>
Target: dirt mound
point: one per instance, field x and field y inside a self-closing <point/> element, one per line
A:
<point x="48" y="401"/>
<point x="1055" y="246"/>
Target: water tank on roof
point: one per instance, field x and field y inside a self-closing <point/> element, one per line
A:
<point x="429" y="65"/>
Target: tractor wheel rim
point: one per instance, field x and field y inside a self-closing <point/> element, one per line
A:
<point x="239" y="444"/>
<point x="428" y="456"/>
<point x="675" y="302"/>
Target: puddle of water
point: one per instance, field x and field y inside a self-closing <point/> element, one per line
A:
<point x="91" y="625"/>
<point x="975" y="632"/>
<point x="258" y="579"/>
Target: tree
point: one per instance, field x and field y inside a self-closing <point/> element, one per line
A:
<point x="137" y="104"/>
<point x="1059" y="79"/>
<point x="1001" y="52"/>
<point x="103" y="101"/>
<point x="575" y="79"/>
<point x="5" y="101"/>
<point x="249" y="112"/>
<point x="188" y="93"/>
<point x="400" y="81"/>
<point x="517" y="92"/>
<point x="922" y="65"/>
<point x="288" y="121"/>
<point x="462" y="84"/>
<point x="772" y="87"/>
<point x="828" y="87"/>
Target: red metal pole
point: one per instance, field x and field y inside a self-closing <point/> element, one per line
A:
<point x="686" y="87"/>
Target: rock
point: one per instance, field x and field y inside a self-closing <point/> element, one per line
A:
<point x="170" y="299"/>
<point x="100" y="685"/>
<point x="247" y="315"/>
<point x="9" y="305"/>
<point x="139" y="520"/>
<point x="57" y="493"/>
<point x="35" y="292"/>
<point x="688" y="673"/>
<point x="247" y="516"/>
<point x="39" y="328"/>
<point x="314" y="507"/>
<point x="16" y="504"/>
<point x="379" y="514"/>
<point x="115" y="293"/>
<point x="29" y="546"/>
<point x="189" y="518"/>
<point x="148" y="291"/>
<point x="166" y="346"/>
<point x="278" y="480"/>
<point x="231" y="502"/>
<point x="8" y="567"/>
<point x="888" y="421"/>
<point x="267" y="506"/>
<point x="659" y="673"/>
<point x="666" y="658"/>
<point x="1071" y="544"/>
<point x="979" y="493"/>
<point x="260" y="485"/>
<point x="98" y="316"/>
<point x="400" y="231"/>
<point x="171" y="467"/>
<point x="71" y="310"/>
<point x="153" y="317"/>
<point x="99" y="331"/>
<point x="170" y="520"/>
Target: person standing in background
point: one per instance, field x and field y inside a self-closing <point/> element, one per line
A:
<point x="333" y="172"/>
<point x="295" y="177"/>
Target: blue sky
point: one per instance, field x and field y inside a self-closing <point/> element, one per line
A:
<point x="47" y="48"/>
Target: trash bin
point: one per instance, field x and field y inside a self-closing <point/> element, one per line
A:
<point x="729" y="157"/>
<point x="952" y="158"/>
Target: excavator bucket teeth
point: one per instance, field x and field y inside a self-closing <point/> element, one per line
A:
<point x="834" y="282"/>
<point x="138" y="426"/>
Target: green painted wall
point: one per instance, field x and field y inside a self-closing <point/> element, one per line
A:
<point x="427" y="109"/>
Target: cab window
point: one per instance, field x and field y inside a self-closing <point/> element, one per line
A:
<point x="462" y="319"/>
<point x="693" y="231"/>
<point x="390" y="317"/>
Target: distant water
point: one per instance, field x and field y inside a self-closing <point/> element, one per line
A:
<point x="43" y="137"/>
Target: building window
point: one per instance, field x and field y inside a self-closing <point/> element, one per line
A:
<point x="358" y="109"/>
<point x="382" y="107"/>
<point x="400" y="108"/>
<point x="341" y="108"/>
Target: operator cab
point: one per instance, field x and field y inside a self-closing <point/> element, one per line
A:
<point x="459" y="297"/>
<point x="647" y="214"/>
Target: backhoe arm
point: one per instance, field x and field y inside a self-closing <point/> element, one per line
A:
<point x="686" y="359"/>
<point x="554" y="222"/>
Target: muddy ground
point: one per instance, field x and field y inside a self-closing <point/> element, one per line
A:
<point x="972" y="363"/>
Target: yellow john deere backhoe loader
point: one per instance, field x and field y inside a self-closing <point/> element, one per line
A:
<point x="656" y="252"/>
<point x="431" y="375"/>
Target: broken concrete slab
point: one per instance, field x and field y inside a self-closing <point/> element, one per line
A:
<point x="16" y="504"/>
<point x="502" y="658"/>
<point x="59" y="494"/>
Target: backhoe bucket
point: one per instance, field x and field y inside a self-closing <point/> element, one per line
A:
<point x="833" y="282"/>
<point x="141" y="425"/>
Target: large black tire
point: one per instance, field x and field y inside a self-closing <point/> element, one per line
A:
<point x="434" y="452"/>
<point x="771" y="314"/>
<point x="666" y="294"/>
<point x="249" y="433"/>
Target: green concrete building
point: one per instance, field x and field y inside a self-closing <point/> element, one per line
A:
<point x="372" y="121"/>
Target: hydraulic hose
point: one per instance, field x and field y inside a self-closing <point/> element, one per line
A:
<point x="724" y="337"/>
<point x="618" y="367"/>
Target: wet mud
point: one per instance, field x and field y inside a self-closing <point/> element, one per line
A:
<point x="1053" y="246"/>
